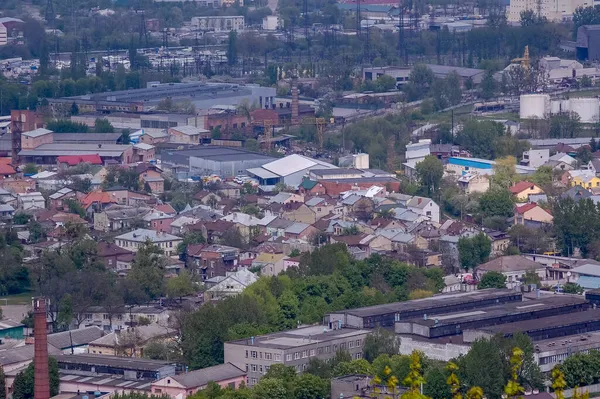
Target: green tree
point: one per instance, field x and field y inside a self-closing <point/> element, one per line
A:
<point x="67" y="126"/>
<point x="24" y="381"/>
<point x="271" y="388"/>
<point x="232" y="48"/>
<point x="180" y="286"/>
<point x="420" y="80"/>
<point x="385" y="83"/>
<point x="565" y="125"/>
<point x="488" y="85"/>
<point x="102" y="125"/>
<point x="497" y="202"/>
<point x="572" y="288"/>
<point x="505" y="173"/>
<point x="30" y="169"/>
<point x="492" y="280"/>
<point x="148" y="270"/>
<point x="483" y="366"/>
<point x="436" y="386"/>
<point x="308" y="386"/>
<point x="474" y="251"/>
<point x="2" y="384"/>
<point x="380" y="341"/>
<point x="429" y="173"/>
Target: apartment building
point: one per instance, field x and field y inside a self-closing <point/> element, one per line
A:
<point x="293" y="348"/>
<point x="219" y="23"/>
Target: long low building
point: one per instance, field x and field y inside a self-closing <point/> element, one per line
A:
<point x="386" y="315"/>
<point x="541" y="329"/>
<point x="456" y="323"/>
<point x="47" y="154"/>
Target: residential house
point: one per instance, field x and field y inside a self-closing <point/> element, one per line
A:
<point x="6" y="211"/>
<point x="532" y="215"/>
<point x="321" y="206"/>
<point x="131" y="342"/>
<point x="562" y="161"/>
<point x="57" y="199"/>
<point x="97" y="201"/>
<point x="183" y="385"/>
<point x="291" y="262"/>
<point x="424" y="207"/>
<point x="214" y="260"/>
<point x="159" y="221"/>
<point x="143" y="152"/>
<point x="187" y="134"/>
<point x="269" y="264"/>
<point x="150" y="177"/>
<point x="17" y="186"/>
<point x="6" y="171"/>
<point x="31" y="201"/>
<point x="207" y="198"/>
<point x="229" y="190"/>
<point x="361" y="207"/>
<point x="514" y="267"/>
<point x="248" y="225"/>
<point x="500" y="241"/>
<point x="136" y="238"/>
<point x="212" y="231"/>
<point x="179" y="224"/>
<point x="302" y="231"/>
<point x="114" y="257"/>
<point x="232" y="284"/>
<point x="472" y="182"/>
<point x="120" y="218"/>
<point x="285" y="198"/>
<point x="296" y="211"/>
<point x="586" y="275"/>
<point x="523" y="189"/>
<point x="584" y="178"/>
<point x="276" y="228"/>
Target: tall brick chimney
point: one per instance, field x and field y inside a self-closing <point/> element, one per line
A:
<point x="295" y="100"/>
<point x="42" y="376"/>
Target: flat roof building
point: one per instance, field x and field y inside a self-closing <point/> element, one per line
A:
<point x="126" y="367"/>
<point x="386" y="315"/>
<point x="456" y="323"/>
<point x="212" y="160"/>
<point x="292" y="348"/>
<point x="540" y="329"/>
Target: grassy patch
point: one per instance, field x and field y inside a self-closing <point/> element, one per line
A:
<point x="19" y="299"/>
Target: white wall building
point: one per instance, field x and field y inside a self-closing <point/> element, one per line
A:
<point x="3" y="35"/>
<point x="219" y="23"/>
<point x="553" y="10"/>
<point x="271" y="22"/>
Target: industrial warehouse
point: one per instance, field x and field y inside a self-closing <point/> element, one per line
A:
<point x="443" y="327"/>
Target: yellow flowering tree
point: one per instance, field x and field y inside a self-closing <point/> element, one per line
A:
<point x="414" y="380"/>
<point x="558" y="382"/>
<point x="513" y="389"/>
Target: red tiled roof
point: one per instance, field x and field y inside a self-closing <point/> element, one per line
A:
<point x="165" y="208"/>
<point x="521" y="186"/>
<point x="6" y="169"/>
<point x="97" y="197"/>
<point x="527" y="207"/>
<point x="73" y="160"/>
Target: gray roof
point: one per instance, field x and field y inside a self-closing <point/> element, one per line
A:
<point x="296" y="228"/>
<point x="588" y="270"/>
<point x="22" y="354"/>
<point x="141" y="235"/>
<point x="351" y="200"/>
<point x="140" y="334"/>
<point x="199" y="378"/>
<point x="128" y="363"/>
<point x="512" y="263"/>
<point x="155" y="133"/>
<point x="6" y="208"/>
<point x="37" y="132"/>
<point x="57" y="149"/>
<point x="462" y="72"/>
<point x="280" y="198"/>
<point x="82" y="336"/>
<point x="189" y="130"/>
<point x="314" y="201"/>
<point x="279" y="223"/>
<point x="60" y="193"/>
<point x="87" y="138"/>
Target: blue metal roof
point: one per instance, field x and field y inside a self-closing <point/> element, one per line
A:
<point x="589" y="282"/>
<point x="471" y="163"/>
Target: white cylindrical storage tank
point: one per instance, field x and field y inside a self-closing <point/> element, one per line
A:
<point x="588" y="109"/>
<point x="534" y="106"/>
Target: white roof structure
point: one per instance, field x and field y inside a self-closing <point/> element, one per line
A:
<point x="143" y="146"/>
<point x="294" y="163"/>
<point x="37" y="132"/>
<point x="189" y="130"/>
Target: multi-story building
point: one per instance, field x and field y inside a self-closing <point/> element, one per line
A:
<point x="553" y="10"/>
<point x="3" y="35"/>
<point x="293" y="348"/>
<point x="219" y="23"/>
<point x="134" y="239"/>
